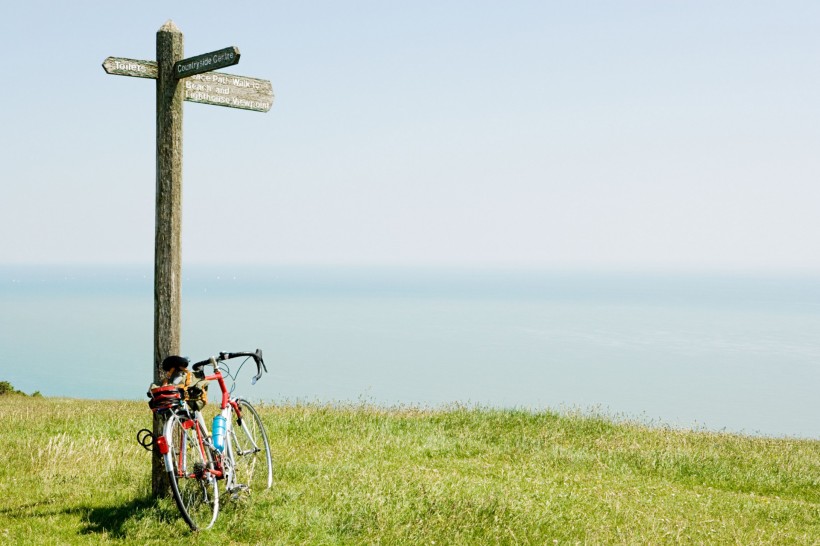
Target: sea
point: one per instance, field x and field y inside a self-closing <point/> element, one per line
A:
<point x="719" y="352"/>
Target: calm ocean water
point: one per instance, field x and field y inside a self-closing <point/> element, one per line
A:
<point x="722" y="352"/>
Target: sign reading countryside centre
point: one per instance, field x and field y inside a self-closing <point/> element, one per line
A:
<point x="206" y="62"/>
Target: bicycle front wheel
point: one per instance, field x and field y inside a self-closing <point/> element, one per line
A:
<point x="192" y="482"/>
<point x="253" y="467"/>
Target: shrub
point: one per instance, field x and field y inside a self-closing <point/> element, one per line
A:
<point x="7" y="388"/>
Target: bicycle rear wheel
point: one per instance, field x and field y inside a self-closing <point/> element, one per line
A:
<point x="253" y="467"/>
<point x="192" y="483"/>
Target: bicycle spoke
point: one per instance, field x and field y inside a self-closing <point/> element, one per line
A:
<point x="192" y="482"/>
<point x="252" y="465"/>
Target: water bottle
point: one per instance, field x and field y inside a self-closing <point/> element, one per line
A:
<point x="218" y="432"/>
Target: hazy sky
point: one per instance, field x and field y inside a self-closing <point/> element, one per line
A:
<point x="616" y="134"/>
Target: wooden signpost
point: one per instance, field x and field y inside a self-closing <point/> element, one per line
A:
<point x="180" y="79"/>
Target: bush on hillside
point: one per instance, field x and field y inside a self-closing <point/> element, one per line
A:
<point x="7" y="388"/>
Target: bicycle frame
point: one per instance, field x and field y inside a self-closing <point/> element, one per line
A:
<point x="188" y="422"/>
<point x="225" y="460"/>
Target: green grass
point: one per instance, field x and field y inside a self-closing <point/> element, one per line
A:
<point x="72" y="473"/>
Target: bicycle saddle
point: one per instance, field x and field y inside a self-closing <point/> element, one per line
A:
<point x="175" y="361"/>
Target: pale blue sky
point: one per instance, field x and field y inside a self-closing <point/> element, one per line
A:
<point x="554" y="134"/>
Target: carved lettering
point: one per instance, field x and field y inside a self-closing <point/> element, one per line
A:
<point x="133" y="67"/>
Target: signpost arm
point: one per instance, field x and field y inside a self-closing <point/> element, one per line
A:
<point x="168" y="235"/>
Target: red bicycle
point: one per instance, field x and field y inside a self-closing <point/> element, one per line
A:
<point x="236" y="453"/>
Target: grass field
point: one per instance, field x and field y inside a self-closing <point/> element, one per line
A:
<point x="72" y="473"/>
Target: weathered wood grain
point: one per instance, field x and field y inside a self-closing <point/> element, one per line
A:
<point x="120" y="66"/>
<point x="168" y="227"/>
<point x="221" y="89"/>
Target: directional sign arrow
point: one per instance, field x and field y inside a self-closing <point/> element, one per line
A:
<point x="206" y="62"/>
<point x="130" y="67"/>
<point x="222" y="89"/>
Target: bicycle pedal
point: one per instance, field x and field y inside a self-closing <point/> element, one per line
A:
<point x="238" y="491"/>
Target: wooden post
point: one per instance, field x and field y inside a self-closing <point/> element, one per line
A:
<point x="168" y="234"/>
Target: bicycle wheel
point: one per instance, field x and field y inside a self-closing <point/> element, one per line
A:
<point x="192" y="484"/>
<point x="250" y="449"/>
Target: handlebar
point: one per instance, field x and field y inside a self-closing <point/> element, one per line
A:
<point x="214" y="361"/>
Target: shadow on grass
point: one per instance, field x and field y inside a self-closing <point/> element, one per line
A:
<point x="112" y="519"/>
<point x="115" y="520"/>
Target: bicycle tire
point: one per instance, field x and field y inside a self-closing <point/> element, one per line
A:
<point x="194" y="488"/>
<point x="253" y="466"/>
